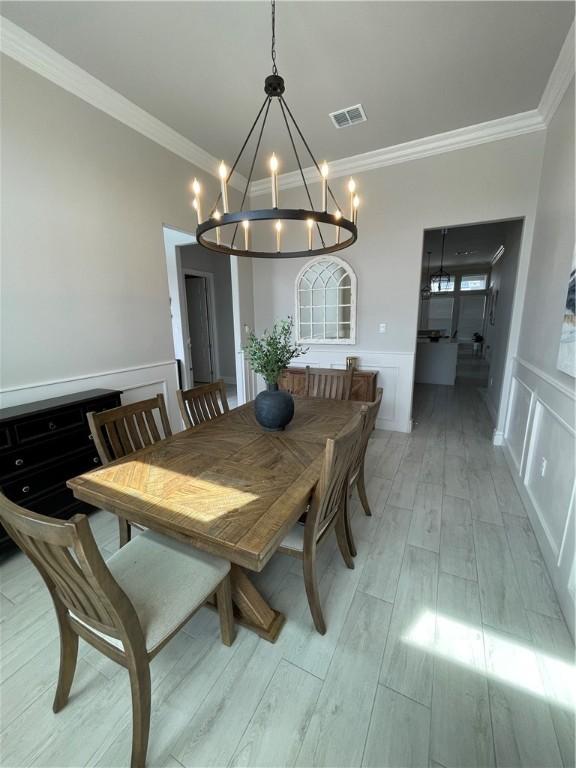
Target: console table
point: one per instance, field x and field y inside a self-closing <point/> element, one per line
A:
<point x="363" y="383"/>
<point x="44" y="444"/>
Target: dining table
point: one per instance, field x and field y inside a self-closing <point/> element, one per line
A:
<point x="227" y="487"/>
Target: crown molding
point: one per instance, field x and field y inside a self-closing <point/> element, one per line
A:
<point x="461" y="138"/>
<point x="559" y="80"/>
<point x="23" y="47"/>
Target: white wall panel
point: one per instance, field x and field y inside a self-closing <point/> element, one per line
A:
<point x="519" y="412"/>
<point x="549" y="475"/>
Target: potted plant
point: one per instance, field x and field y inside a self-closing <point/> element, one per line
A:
<point x="268" y="355"/>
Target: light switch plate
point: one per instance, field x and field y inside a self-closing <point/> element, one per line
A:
<point x="382" y="328"/>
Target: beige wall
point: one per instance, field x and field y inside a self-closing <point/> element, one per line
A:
<point x="553" y="247"/>
<point x="84" y="285"/>
<point x="484" y="183"/>
<point x="541" y="426"/>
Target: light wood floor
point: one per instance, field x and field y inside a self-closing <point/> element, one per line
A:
<point x="445" y="645"/>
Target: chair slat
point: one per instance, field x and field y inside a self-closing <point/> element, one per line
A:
<point x="153" y="429"/>
<point x="134" y="434"/>
<point x="202" y="403"/>
<point x="113" y="437"/>
<point x="123" y="436"/>
<point x="328" y="383"/>
<point x="143" y="429"/>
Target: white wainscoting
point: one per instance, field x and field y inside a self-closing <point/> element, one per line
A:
<point x="539" y="444"/>
<point x="395" y="371"/>
<point x="137" y="383"/>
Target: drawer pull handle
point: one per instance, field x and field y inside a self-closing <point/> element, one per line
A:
<point x="96" y="460"/>
<point x="26" y="489"/>
<point x="90" y="437"/>
<point x="19" y="462"/>
<point x="51" y="425"/>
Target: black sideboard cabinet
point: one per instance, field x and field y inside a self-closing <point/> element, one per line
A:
<point x="44" y="444"/>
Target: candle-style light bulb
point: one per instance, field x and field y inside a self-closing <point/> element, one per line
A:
<point x="196" y="206"/>
<point x="223" y="172"/>
<point x="351" y="190"/>
<point x="338" y="216"/>
<point x="217" y="215"/>
<point x="278" y="227"/>
<point x="310" y="225"/>
<point x="355" y="206"/>
<point x="324" y="174"/>
<point x="196" y="188"/>
<point x="274" y="179"/>
<point x="246" y="227"/>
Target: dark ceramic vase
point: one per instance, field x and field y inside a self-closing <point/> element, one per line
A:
<point x="274" y="408"/>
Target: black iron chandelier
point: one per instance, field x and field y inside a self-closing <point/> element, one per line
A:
<point x="426" y="289"/>
<point x="441" y="275"/>
<point x="220" y="231"/>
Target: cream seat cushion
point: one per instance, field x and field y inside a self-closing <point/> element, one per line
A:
<point x="165" y="580"/>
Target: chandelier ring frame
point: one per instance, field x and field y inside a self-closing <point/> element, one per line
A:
<point x="276" y="214"/>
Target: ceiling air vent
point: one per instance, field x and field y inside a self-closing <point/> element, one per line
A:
<point x="349" y="116"/>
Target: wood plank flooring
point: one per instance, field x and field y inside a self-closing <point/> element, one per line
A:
<point x="445" y="647"/>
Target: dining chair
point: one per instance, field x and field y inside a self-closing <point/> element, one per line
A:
<point x="328" y="383"/>
<point x="357" y="477"/>
<point x="128" y="607"/>
<point x="325" y="513"/>
<point x="126" y="429"/>
<point x="202" y="403"/>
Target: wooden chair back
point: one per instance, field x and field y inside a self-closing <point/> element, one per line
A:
<point x="330" y="494"/>
<point x="371" y="412"/>
<point x="328" y="383"/>
<point x="129" y="428"/>
<point x="203" y="403"/>
<point x="66" y="555"/>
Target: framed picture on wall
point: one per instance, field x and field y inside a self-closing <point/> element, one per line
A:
<point x="567" y="347"/>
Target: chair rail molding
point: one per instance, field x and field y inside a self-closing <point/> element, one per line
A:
<point x="136" y="382"/>
<point x="28" y="50"/>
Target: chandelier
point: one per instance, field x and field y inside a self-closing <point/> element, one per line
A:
<point x="226" y="231"/>
<point x="441" y="275"/>
<point x="426" y="289"/>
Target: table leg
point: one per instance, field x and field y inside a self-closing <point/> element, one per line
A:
<point x="251" y="609"/>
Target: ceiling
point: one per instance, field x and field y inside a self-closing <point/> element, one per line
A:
<point x="418" y="68"/>
<point x="475" y="244"/>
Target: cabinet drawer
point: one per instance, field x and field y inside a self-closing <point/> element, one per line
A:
<point x="37" y="429"/>
<point x="35" y="483"/>
<point x="27" y="458"/>
<point x="5" y="441"/>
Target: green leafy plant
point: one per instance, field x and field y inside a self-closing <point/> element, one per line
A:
<point x="270" y="353"/>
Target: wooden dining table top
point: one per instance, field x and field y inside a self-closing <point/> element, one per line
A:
<point x="226" y="486"/>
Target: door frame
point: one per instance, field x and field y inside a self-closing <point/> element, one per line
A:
<point x="173" y="239"/>
<point x="212" y="321"/>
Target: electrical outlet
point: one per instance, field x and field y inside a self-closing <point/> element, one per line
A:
<point x="382" y="328"/>
<point x="543" y="467"/>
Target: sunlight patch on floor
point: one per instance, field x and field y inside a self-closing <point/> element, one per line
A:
<point x="496" y="656"/>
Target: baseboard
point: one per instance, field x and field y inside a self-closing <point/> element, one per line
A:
<point x="498" y="437"/>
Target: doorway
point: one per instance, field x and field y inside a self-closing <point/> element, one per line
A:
<point x="466" y="301"/>
<point x="201" y="327"/>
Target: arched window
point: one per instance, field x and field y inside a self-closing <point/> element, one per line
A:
<point x="326" y="302"/>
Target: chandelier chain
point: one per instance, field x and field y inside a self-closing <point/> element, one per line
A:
<point x="273" y="47"/>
